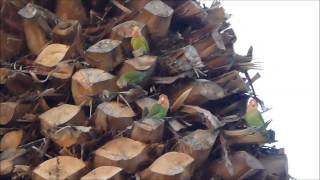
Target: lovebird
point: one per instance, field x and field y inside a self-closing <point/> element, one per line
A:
<point x="160" y="109"/>
<point x="138" y="42"/>
<point x="131" y="78"/>
<point x="253" y="116"/>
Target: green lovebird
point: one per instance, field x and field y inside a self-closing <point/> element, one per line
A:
<point x="131" y="78"/>
<point x="253" y="116"/>
<point x="160" y="109"/>
<point x="138" y="42"/>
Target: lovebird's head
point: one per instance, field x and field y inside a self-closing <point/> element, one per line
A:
<point x="164" y="101"/>
<point x="135" y="32"/>
<point x="251" y="105"/>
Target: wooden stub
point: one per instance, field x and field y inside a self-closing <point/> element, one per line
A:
<point x="182" y="60"/>
<point x="18" y="83"/>
<point x="6" y="167"/>
<point x="60" y="168"/>
<point x="148" y="130"/>
<point x="244" y="136"/>
<point x="202" y="91"/>
<point x="71" y="9"/>
<point x="68" y="136"/>
<point x="122" y="152"/>
<point x="244" y="165"/>
<point x="172" y="166"/>
<point x="210" y="44"/>
<point x="141" y="63"/>
<point x="113" y="116"/>
<point x="137" y="4"/>
<point x="61" y="78"/>
<point x="123" y="31"/>
<point x="197" y="144"/>
<point x="51" y="55"/>
<point x="157" y="16"/>
<point x="11" y="110"/>
<point x="90" y="82"/>
<point x="190" y="13"/>
<point x="10" y="44"/>
<point x="105" y="54"/>
<point x="104" y="173"/>
<point x="65" y="32"/>
<point x="275" y="167"/>
<point x="11" y="140"/>
<point x="65" y="114"/>
<point x="35" y="36"/>
<point x="232" y="83"/>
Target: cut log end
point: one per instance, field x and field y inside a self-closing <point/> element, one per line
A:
<point x="172" y="165"/>
<point x="122" y="152"/>
<point x="104" y="173"/>
<point x="62" y="115"/>
<point x="60" y="167"/>
<point x="113" y="116"/>
<point x="90" y="82"/>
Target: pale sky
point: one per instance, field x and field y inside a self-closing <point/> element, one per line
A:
<point x="285" y="36"/>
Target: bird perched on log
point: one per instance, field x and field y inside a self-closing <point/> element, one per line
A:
<point x="160" y="109"/>
<point x="131" y="78"/>
<point x="253" y="116"/>
<point x="139" y="43"/>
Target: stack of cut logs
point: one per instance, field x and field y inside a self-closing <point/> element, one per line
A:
<point x="63" y="115"/>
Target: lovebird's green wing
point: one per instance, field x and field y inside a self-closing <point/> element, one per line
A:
<point x="254" y="119"/>
<point x="157" y="112"/>
<point x="133" y="77"/>
<point x="140" y="43"/>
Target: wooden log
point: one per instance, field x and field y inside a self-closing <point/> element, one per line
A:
<point x="51" y="55"/>
<point x="11" y="45"/>
<point x="65" y="114"/>
<point x="232" y="83"/>
<point x="244" y="165"/>
<point x="202" y="91"/>
<point x="141" y="63"/>
<point x="182" y="60"/>
<point x="122" y="152"/>
<point x="12" y="110"/>
<point x="35" y="36"/>
<point x="123" y="32"/>
<point x="68" y="136"/>
<point x="137" y="4"/>
<point x="216" y="17"/>
<point x="105" y="54"/>
<point x="11" y="140"/>
<point x="170" y="166"/>
<point x="18" y="83"/>
<point x="157" y="16"/>
<point x="190" y="13"/>
<point x="198" y="145"/>
<point x="210" y="45"/>
<point x="61" y="78"/>
<point x="113" y="116"/>
<point x="71" y="9"/>
<point x="275" y="167"/>
<point x="60" y="167"/>
<point x="90" y="82"/>
<point x="65" y="32"/>
<point x="245" y="136"/>
<point x="104" y="173"/>
<point x="6" y="167"/>
<point x="148" y="130"/>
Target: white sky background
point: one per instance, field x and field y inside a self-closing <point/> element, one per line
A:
<point x="285" y="36"/>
